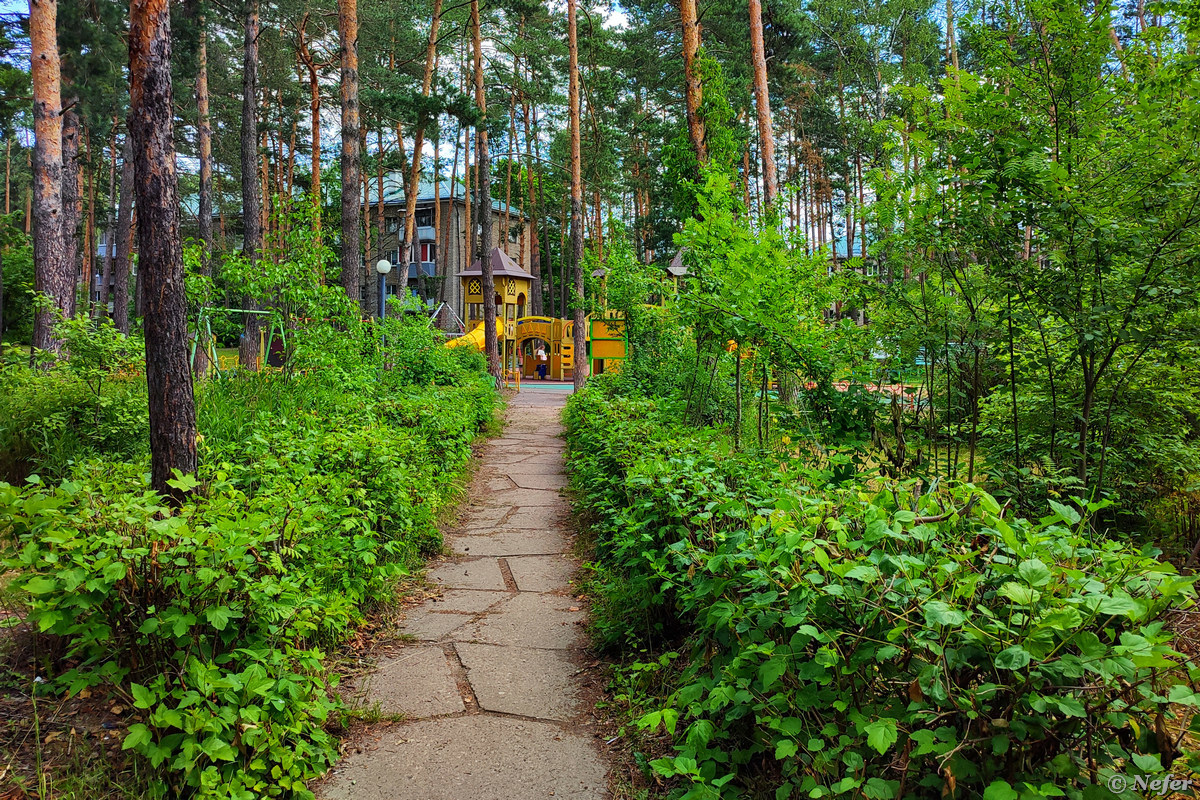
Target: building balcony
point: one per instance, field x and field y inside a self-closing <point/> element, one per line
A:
<point x="429" y="268"/>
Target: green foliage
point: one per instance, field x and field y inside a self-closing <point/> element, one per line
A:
<point x="1053" y="288"/>
<point x="81" y="407"/>
<point x="313" y="494"/>
<point x="16" y="270"/>
<point x="849" y="641"/>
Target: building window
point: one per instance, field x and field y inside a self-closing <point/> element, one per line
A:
<point x="428" y="251"/>
<point x="424" y="218"/>
<point x="393" y="224"/>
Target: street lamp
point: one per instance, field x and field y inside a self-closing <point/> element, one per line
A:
<point x="383" y="267"/>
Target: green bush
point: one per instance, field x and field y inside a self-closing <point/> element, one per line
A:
<point x="316" y="489"/>
<point x="87" y="406"/>
<point x="852" y="641"/>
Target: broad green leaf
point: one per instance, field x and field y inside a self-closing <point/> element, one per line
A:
<point x="881" y="734"/>
<point x="142" y="697"/>
<point x="999" y="790"/>
<point x="1015" y="657"/>
<point x="138" y="736"/>
<point x="771" y="670"/>
<point x="1034" y="572"/>
<point x="939" y="613"/>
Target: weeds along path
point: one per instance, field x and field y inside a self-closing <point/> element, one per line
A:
<point x="489" y="687"/>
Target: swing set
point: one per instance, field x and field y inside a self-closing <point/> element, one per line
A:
<point x="271" y="343"/>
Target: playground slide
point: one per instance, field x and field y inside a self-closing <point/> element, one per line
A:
<point x="472" y="339"/>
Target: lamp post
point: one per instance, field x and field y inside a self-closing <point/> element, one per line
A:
<point x="383" y="267"/>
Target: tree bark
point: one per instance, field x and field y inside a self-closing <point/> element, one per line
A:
<point x="351" y="155"/>
<point x="414" y="180"/>
<point x="693" y="91"/>
<point x="110" y="233"/>
<point x="124" y="243"/>
<point x="71" y="202"/>
<point x="53" y="276"/>
<point x="581" y="365"/>
<point x="314" y="109"/>
<point x="89" y="240"/>
<point x="252" y="240"/>
<point x="204" y="146"/>
<point x="762" y="103"/>
<point x="168" y="376"/>
<point x="484" y="189"/>
<point x="535" y="254"/>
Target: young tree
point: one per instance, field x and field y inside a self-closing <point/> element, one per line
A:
<point x="168" y="375"/>
<point x="54" y="278"/>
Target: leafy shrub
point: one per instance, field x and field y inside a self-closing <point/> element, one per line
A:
<point x="48" y="422"/>
<point x="316" y="489"/>
<point x="89" y="405"/>
<point x="846" y="641"/>
<point x="202" y="616"/>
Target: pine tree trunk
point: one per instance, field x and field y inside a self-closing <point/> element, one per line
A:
<point x="124" y="240"/>
<point x="204" y="146"/>
<point x="252" y="235"/>
<point x="89" y="240"/>
<point x="204" y="211"/>
<point x="160" y="257"/>
<point x="693" y="91"/>
<point x="29" y="189"/>
<point x="379" y="222"/>
<point x="70" y="196"/>
<point x="110" y="223"/>
<point x="762" y="101"/>
<point x="314" y="110"/>
<point x="53" y="275"/>
<point x="351" y="155"/>
<point x="414" y="181"/>
<point x="484" y="189"/>
<point x="535" y="254"/>
<point x="581" y="365"/>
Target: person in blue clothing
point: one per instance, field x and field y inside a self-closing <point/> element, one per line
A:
<point x="542" y="361"/>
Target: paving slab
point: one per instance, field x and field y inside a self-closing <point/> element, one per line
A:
<point x="542" y="573"/>
<point x="465" y="601"/>
<point x="528" y="620"/>
<point x="521" y="680"/>
<point x="537" y="517"/>
<point x="477" y="757"/>
<point x="416" y="682"/>
<point x="478" y="515"/>
<point x="500" y="483"/>
<point x="510" y="543"/>
<point x="429" y="626"/>
<point x="524" y="497"/>
<point x="481" y="573"/>
<point x="527" y="443"/>
<point x="538" y="480"/>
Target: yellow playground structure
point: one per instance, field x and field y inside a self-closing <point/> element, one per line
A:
<point x="517" y="332"/>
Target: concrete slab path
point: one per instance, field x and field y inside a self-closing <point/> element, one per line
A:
<point x="489" y="685"/>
